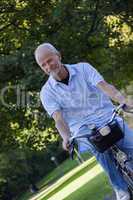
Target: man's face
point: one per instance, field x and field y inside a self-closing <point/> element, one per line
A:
<point x="49" y="62"/>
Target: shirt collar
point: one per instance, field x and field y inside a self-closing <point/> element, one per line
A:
<point x="72" y="73"/>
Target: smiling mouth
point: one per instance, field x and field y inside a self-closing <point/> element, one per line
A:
<point x="54" y="72"/>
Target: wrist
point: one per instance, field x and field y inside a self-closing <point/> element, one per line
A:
<point x="120" y="98"/>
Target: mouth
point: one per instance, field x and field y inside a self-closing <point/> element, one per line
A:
<point x="53" y="73"/>
<point x="55" y="70"/>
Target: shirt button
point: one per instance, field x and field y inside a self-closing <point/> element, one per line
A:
<point x="99" y="112"/>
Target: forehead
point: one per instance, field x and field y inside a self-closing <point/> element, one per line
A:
<point x="44" y="54"/>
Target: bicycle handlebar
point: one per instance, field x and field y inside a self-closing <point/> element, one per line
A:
<point x="116" y="111"/>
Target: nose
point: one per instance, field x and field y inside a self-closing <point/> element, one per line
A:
<point x="47" y="68"/>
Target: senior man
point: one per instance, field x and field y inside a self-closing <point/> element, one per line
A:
<point x="76" y="95"/>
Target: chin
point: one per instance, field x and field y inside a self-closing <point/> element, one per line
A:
<point x="53" y="73"/>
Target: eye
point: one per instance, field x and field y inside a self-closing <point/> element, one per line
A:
<point x="49" y="61"/>
<point x="43" y="65"/>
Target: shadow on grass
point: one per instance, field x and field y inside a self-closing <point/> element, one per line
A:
<point x="55" y="175"/>
<point x="72" y="178"/>
<point x="62" y="170"/>
<point x="49" y="183"/>
<point x="58" y="172"/>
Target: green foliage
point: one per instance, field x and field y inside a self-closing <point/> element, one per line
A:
<point x="96" y="31"/>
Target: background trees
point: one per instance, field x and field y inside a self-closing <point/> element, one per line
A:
<point x="96" y="31"/>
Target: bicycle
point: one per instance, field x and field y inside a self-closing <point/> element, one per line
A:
<point x="103" y="139"/>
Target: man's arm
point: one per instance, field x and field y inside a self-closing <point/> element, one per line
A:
<point x="112" y="92"/>
<point x="62" y="127"/>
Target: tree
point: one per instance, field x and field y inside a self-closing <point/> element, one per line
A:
<point x="96" y="31"/>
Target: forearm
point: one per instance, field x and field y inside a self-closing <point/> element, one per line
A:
<point x="112" y="92"/>
<point x="63" y="129"/>
<point x="115" y="94"/>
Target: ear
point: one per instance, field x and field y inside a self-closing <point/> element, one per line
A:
<point x="60" y="56"/>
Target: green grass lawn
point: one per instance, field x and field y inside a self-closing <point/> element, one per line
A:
<point x="83" y="182"/>
<point x="71" y="179"/>
<point x="96" y="189"/>
<point x="53" y="176"/>
<point x="88" y="183"/>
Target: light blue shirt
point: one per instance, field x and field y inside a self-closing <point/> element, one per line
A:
<point x="81" y="102"/>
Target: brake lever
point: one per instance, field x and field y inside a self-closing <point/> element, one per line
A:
<point x="71" y="149"/>
<point x="127" y="109"/>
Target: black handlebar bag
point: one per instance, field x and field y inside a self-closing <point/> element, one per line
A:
<point x="107" y="136"/>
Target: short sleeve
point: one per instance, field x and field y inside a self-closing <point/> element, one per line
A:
<point x="49" y="103"/>
<point x="92" y="75"/>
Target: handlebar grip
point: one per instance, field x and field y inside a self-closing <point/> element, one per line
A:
<point x="124" y="106"/>
<point x="71" y="149"/>
<point x="121" y="106"/>
<point x="71" y="152"/>
<point x="127" y="109"/>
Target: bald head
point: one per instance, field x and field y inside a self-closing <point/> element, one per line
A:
<point x="43" y="50"/>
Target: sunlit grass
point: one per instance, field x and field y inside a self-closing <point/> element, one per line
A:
<point x="76" y="173"/>
<point x="95" y="189"/>
<point x="89" y="176"/>
<point x="77" y="183"/>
